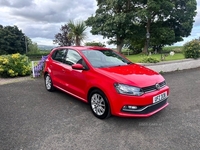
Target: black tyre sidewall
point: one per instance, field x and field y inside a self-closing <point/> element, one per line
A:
<point x="52" y="88"/>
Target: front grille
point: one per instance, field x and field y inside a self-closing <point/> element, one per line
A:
<point x="162" y="84"/>
<point x="153" y="87"/>
<point x="154" y="107"/>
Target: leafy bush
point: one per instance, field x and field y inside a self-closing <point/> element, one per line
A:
<point x="149" y="60"/>
<point x="14" y="65"/>
<point x="192" y="49"/>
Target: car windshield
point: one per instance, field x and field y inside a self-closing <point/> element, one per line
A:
<point x="105" y="58"/>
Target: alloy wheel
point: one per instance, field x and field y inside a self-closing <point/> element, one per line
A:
<point x="98" y="104"/>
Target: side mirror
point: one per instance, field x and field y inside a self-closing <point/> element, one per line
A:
<point x="78" y="67"/>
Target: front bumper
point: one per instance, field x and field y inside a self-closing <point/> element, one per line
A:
<point x="144" y="104"/>
<point x="145" y="111"/>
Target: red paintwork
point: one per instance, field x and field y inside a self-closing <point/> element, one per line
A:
<point x="79" y="82"/>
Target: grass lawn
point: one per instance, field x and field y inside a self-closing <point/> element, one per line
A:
<point x="137" y="58"/>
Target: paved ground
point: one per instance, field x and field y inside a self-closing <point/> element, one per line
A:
<point x="33" y="119"/>
<point x="12" y="80"/>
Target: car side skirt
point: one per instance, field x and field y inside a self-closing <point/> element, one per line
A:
<point x="84" y="100"/>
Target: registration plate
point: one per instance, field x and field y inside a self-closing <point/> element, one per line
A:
<point x="159" y="97"/>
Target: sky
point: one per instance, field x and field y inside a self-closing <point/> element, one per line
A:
<point x="40" y="20"/>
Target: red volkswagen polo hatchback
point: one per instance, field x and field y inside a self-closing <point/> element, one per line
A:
<point x="110" y="83"/>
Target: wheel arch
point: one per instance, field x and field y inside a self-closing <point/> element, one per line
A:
<point x="96" y="88"/>
<point x="45" y="73"/>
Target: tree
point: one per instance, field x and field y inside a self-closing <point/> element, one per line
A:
<point x="63" y="38"/>
<point x="114" y="20"/>
<point x="134" y="45"/>
<point x="77" y="31"/>
<point x="32" y="47"/>
<point x="167" y="21"/>
<point x="130" y="20"/>
<point x="71" y="33"/>
<point x="11" y="40"/>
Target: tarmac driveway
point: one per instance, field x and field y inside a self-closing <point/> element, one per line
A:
<point x="33" y="119"/>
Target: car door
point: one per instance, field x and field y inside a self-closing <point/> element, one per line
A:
<point x="75" y="80"/>
<point x="58" y="68"/>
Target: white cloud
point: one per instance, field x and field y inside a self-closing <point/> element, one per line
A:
<point x="16" y="3"/>
<point x="41" y="19"/>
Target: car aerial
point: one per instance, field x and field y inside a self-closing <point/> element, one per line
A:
<point x="106" y="80"/>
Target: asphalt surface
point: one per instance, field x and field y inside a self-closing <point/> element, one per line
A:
<point x="32" y="118"/>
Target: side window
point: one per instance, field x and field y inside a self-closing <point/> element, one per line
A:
<point x="73" y="57"/>
<point x="59" y="55"/>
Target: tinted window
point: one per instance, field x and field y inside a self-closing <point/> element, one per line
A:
<point x="105" y="58"/>
<point x="59" y="55"/>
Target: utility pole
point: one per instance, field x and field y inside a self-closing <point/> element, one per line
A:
<point x="25" y="41"/>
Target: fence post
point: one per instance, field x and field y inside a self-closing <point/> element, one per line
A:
<point x="33" y="71"/>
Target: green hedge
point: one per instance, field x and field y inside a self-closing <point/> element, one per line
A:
<point x="176" y="49"/>
<point x="36" y="56"/>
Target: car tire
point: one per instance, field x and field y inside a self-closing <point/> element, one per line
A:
<point x="99" y="104"/>
<point x="48" y="83"/>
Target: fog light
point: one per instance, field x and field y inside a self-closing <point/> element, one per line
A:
<point x="130" y="107"/>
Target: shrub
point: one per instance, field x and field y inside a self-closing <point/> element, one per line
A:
<point x="149" y="60"/>
<point x="14" y="65"/>
<point x="192" y="49"/>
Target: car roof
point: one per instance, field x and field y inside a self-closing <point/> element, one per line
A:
<point x="83" y="47"/>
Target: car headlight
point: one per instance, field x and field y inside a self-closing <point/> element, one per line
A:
<point x="127" y="89"/>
